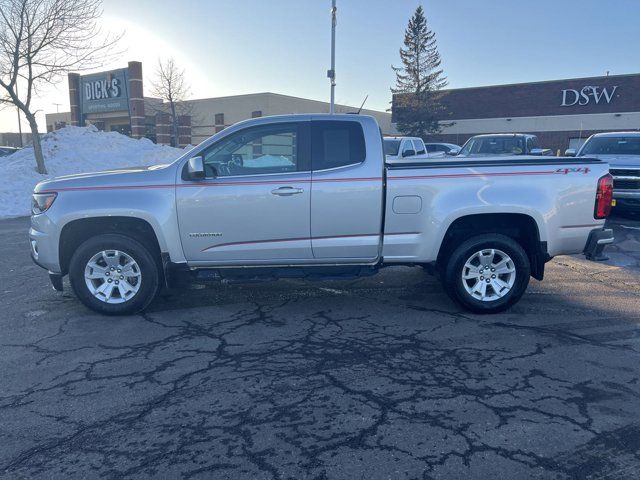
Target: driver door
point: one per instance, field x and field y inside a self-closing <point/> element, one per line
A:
<point x="253" y="207"/>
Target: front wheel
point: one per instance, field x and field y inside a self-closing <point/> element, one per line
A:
<point x="114" y="275"/>
<point x="487" y="274"/>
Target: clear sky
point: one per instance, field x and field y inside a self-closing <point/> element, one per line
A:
<point x="241" y="46"/>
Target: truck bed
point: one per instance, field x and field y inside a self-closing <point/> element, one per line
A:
<point x="423" y="200"/>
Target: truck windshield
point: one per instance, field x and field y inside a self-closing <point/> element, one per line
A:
<point x="494" y="146"/>
<point x="611" y="146"/>
<point x="391" y="147"/>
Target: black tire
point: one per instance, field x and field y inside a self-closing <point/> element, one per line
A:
<point x="453" y="270"/>
<point x="149" y="279"/>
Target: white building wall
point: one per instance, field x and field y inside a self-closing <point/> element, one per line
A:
<point x="237" y="108"/>
<point x="557" y="123"/>
<point x="240" y="107"/>
<point x="53" y="118"/>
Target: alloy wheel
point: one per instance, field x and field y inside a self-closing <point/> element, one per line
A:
<point x="112" y="276"/>
<point x="488" y="275"/>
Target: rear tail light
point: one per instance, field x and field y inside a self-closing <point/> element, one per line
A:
<point x="604" y="197"/>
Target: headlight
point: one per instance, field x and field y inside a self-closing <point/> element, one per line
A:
<point x="40" y="202"/>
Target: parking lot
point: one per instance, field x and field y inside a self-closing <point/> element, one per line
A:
<point x="382" y="377"/>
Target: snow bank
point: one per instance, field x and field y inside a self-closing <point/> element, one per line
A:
<point x="73" y="150"/>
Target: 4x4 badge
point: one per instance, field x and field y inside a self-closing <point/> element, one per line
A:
<point x="566" y="171"/>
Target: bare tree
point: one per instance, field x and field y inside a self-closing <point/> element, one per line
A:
<point x="40" y="41"/>
<point x="170" y="86"/>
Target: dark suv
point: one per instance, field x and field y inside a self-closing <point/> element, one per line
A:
<point x="503" y="144"/>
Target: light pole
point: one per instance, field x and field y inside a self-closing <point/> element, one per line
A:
<point x="332" y="73"/>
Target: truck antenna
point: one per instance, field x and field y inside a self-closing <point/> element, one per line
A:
<point x="331" y="74"/>
<point x="363" y="102"/>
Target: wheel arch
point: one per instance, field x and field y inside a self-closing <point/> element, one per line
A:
<point x="75" y="232"/>
<point x="521" y="227"/>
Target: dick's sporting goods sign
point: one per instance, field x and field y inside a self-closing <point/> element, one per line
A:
<point x="594" y="95"/>
<point x="104" y="92"/>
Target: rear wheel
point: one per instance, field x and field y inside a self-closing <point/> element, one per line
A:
<point x="487" y="274"/>
<point x="114" y="274"/>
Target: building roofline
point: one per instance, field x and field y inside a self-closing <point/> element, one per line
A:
<point x="498" y="85"/>
<point x="282" y="95"/>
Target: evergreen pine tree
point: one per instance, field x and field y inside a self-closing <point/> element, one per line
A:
<point x="419" y="80"/>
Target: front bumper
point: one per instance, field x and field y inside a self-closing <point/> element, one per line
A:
<point x="43" y="242"/>
<point x="626" y="186"/>
<point x="598" y="239"/>
<point x="55" y="278"/>
<point x="627" y="198"/>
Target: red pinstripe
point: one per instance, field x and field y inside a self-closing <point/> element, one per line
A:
<point x="494" y="174"/>
<point x="276" y="240"/>
<point x="303" y="180"/>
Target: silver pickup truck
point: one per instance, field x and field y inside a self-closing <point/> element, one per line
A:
<point x="310" y="196"/>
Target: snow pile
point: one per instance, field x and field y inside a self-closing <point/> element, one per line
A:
<point x="73" y="150"/>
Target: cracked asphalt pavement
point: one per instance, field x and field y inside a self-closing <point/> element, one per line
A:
<point x="374" y="378"/>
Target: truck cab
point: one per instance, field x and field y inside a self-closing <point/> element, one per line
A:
<point x="405" y="149"/>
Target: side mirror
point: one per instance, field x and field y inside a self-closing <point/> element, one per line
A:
<point x="409" y="153"/>
<point x="194" y="169"/>
<point x="570" y="152"/>
<point x="453" y="152"/>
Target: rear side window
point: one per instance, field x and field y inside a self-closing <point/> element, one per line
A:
<point x="419" y="147"/>
<point x="336" y="144"/>
<point x="391" y="147"/>
<point x="408" y="147"/>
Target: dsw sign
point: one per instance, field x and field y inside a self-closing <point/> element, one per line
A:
<point x="586" y="95"/>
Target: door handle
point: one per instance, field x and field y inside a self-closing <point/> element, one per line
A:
<point x="286" y="191"/>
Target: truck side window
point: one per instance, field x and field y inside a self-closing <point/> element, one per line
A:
<point x="336" y="144"/>
<point x="256" y="150"/>
<point x="420" y="149"/>
<point x="408" y="147"/>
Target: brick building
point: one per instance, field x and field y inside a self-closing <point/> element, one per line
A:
<point x="563" y="113"/>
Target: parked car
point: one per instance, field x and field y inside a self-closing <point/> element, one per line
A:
<point x="401" y="149"/>
<point x="6" y="151"/>
<point x="332" y="209"/>
<point x="446" y="148"/>
<point x="503" y="144"/>
<point x="622" y="151"/>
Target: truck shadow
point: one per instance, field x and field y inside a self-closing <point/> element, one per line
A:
<point x="625" y="251"/>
